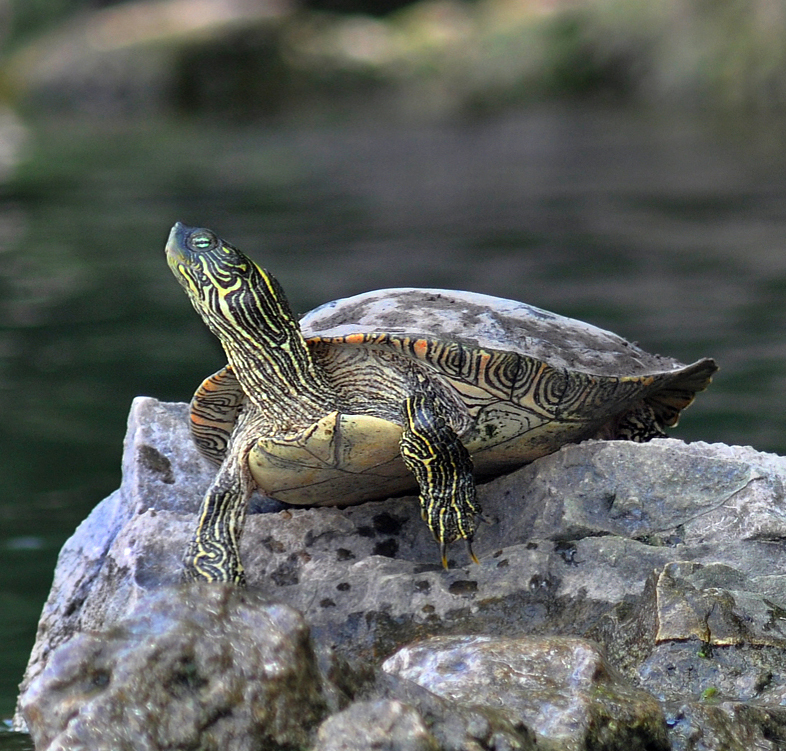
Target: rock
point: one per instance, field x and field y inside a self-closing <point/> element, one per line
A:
<point x="205" y="667"/>
<point x="151" y="480"/>
<point x="697" y="627"/>
<point x="561" y="688"/>
<point x="669" y="555"/>
<point x="421" y="722"/>
<point x="387" y="725"/>
<point x="713" y="724"/>
<point x="709" y="642"/>
<point x="456" y="727"/>
<point x="140" y="56"/>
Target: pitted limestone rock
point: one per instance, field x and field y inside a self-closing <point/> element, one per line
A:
<point x="570" y="551"/>
<point x="193" y="667"/>
<point x="563" y="689"/>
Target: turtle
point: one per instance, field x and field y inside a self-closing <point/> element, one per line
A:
<point x="393" y="391"/>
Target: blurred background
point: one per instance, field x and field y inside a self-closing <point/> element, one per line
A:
<point x="619" y="161"/>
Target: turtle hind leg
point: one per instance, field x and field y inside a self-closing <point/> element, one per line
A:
<point x="213" y="554"/>
<point x="433" y="452"/>
<point x="638" y="424"/>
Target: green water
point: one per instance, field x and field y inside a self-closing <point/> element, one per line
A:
<point x="670" y="231"/>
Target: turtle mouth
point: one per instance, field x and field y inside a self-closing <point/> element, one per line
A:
<point x="178" y="254"/>
<point x="179" y="257"/>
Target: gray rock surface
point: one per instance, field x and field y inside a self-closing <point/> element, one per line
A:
<point x="669" y="555"/>
<point x="202" y="667"/>
<point x="384" y="724"/>
<point x="454" y="726"/>
<point x="561" y="688"/>
<point x="401" y="718"/>
<point x="708" y="641"/>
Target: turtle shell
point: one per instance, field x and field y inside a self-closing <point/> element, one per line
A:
<point x="516" y="383"/>
<point x="523" y="380"/>
<point x="484" y="322"/>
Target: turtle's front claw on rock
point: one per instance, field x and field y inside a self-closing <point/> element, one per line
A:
<point x="443" y="551"/>
<point x="471" y="552"/>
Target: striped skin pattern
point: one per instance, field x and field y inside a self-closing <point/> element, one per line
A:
<point x="443" y="468"/>
<point x="639" y="425"/>
<point x="375" y="379"/>
<point x="214" y="411"/>
<point x="214" y="551"/>
<point x="334" y="419"/>
<point x="247" y="311"/>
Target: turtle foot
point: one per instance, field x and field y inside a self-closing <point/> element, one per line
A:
<point x="443" y="551"/>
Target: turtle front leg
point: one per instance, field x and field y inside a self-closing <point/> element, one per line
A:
<point x="214" y="551"/>
<point x="433" y="452"/>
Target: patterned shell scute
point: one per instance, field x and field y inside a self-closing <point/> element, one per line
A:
<point x="486" y="322"/>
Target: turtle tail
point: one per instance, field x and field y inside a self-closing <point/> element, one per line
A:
<point x="679" y="391"/>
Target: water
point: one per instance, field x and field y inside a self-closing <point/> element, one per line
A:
<point x="669" y="231"/>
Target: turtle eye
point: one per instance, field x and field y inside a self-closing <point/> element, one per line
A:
<point x="202" y="240"/>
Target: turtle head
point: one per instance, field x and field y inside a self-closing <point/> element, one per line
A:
<point x="246" y="308"/>
<point x="208" y="268"/>
<point x="230" y="292"/>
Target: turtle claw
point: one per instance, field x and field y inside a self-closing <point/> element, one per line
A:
<point x="443" y="552"/>
<point x="470" y="551"/>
